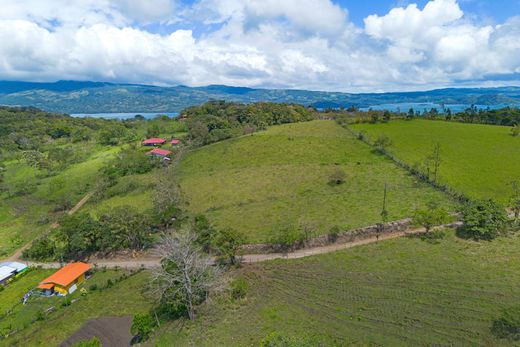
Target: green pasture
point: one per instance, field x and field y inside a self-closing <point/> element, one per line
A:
<point x="278" y="179"/>
<point x="478" y="160"/>
<point x="401" y="292"/>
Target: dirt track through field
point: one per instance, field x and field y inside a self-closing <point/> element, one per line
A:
<point x="154" y="262"/>
<point x="18" y="254"/>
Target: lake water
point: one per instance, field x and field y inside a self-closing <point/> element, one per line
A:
<point x="128" y="115"/>
<point x="426" y="106"/>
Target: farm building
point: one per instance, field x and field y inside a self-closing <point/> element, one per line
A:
<point x="65" y="280"/>
<point x="10" y="269"/>
<point x="175" y="142"/>
<point x="155" y="141"/>
<point x="161" y="153"/>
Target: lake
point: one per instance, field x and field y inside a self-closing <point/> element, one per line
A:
<point x="128" y="115"/>
<point x="426" y="106"/>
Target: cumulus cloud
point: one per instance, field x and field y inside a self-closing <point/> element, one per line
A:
<point x="268" y="43"/>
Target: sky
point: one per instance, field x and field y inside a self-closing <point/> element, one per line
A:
<point x="331" y="45"/>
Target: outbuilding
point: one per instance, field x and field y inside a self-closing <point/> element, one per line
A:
<point x="175" y="142"/>
<point x="154" y="141"/>
<point x="160" y="153"/>
<point x="65" y="280"/>
<point x="10" y="269"/>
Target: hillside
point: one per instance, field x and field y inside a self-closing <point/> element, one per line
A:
<point x="279" y="180"/>
<point x="405" y="292"/>
<point x="478" y="160"/>
<point x="96" y="97"/>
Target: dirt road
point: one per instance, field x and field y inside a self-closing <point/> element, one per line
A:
<point x="18" y="254"/>
<point x="154" y="261"/>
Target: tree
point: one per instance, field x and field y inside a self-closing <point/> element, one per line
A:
<point x="435" y="158"/>
<point x="514" y="201"/>
<point x="204" y="232"/>
<point x="507" y="326"/>
<point x="515" y="131"/>
<point x="142" y="326"/>
<point x="187" y="276"/>
<point x="382" y="143"/>
<point x="227" y="243"/>
<point x="337" y="177"/>
<point x="430" y="217"/>
<point x="483" y="219"/>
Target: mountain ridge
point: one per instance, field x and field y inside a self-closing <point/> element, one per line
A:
<point x="96" y="97"/>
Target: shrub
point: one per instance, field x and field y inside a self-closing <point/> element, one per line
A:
<point x="507" y="326"/>
<point x="483" y="219"/>
<point x="40" y="315"/>
<point x="334" y="233"/>
<point x="239" y="288"/>
<point x="142" y="326"/>
<point x="93" y="287"/>
<point x="286" y="237"/>
<point x="337" y="177"/>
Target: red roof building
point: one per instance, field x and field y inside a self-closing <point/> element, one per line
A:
<point x="153" y="141"/>
<point x="160" y="152"/>
<point x="66" y="279"/>
<point x="175" y="142"/>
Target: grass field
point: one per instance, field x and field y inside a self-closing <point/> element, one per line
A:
<point x="478" y="160"/>
<point x="14" y="292"/>
<point x="23" y="218"/>
<point x="123" y="298"/>
<point x="279" y="178"/>
<point x="402" y="292"/>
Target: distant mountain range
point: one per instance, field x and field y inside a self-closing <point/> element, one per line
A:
<point x="101" y="97"/>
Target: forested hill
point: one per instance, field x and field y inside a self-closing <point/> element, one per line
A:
<point x="94" y="97"/>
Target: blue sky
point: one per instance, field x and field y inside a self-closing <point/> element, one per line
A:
<point x="342" y="45"/>
<point x="494" y="10"/>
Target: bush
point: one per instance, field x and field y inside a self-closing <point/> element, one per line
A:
<point x="337" y="177"/>
<point x="483" y="219"/>
<point x="286" y="238"/>
<point x="334" y="233"/>
<point x="239" y="288"/>
<point x="93" y="287"/>
<point x="142" y="326"/>
<point x="507" y="326"/>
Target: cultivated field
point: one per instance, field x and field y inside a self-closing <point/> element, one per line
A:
<point x="278" y="179"/>
<point x="402" y="292"/>
<point x="478" y="160"/>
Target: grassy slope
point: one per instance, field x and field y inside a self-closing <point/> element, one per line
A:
<point x="479" y="160"/>
<point x="12" y="294"/>
<point x="19" y="216"/>
<point x="124" y="298"/>
<point x="275" y="178"/>
<point x="403" y="292"/>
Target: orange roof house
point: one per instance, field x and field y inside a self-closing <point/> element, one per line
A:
<point x="66" y="279"/>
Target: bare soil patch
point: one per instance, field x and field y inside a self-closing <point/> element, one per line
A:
<point x="111" y="331"/>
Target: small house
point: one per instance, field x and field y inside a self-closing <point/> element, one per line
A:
<point x="160" y="153"/>
<point x="155" y="141"/>
<point x="175" y="142"/>
<point x="65" y="280"/>
<point x="10" y="269"/>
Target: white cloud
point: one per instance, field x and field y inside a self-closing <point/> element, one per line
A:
<point x="271" y="43"/>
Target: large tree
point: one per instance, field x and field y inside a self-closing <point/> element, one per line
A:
<point x="187" y="275"/>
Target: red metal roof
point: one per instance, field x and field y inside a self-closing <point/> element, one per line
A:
<point x="175" y="142"/>
<point x="160" y="151"/>
<point x="66" y="275"/>
<point x="153" y="141"/>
